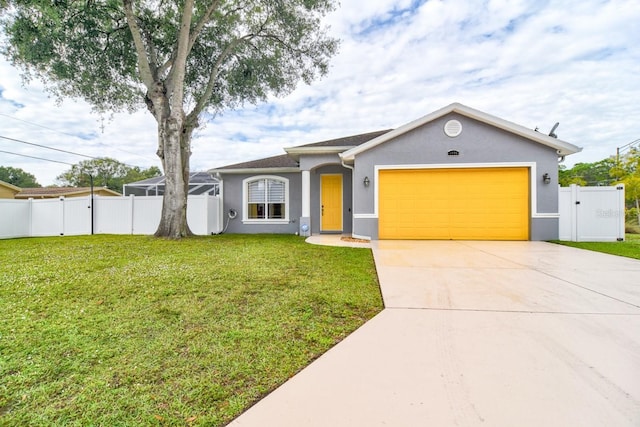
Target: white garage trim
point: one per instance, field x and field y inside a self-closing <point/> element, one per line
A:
<point x="546" y="215"/>
<point x="365" y="216"/>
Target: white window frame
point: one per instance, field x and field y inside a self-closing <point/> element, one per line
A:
<point x="245" y="201"/>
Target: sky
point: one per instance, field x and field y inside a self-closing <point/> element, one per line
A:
<point x="533" y="63"/>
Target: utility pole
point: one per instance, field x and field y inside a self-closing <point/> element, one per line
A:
<point x="624" y="148"/>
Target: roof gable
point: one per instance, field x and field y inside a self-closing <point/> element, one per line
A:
<point x="563" y="148"/>
<point x="333" y="146"/>
<point x="10" y="186"/>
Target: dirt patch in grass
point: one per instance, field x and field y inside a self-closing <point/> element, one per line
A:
<point x="354" y="240"/>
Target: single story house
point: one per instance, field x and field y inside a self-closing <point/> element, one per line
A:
<point x="457" y="173"/>
<point x="8" y="191"/>
<point x="55" y="192"/>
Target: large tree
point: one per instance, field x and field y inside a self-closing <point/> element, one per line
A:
<point x="179" y="58"/>
<point x="18" y="177"/>
<point x="627" y="171"/>
<point x="105" y="171"/>
<point x="597" y="173"/>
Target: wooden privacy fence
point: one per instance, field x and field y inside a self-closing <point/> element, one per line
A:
<point x="592" y="214"/>
<point x="111" y="215"/>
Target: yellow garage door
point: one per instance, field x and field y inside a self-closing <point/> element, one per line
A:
<point x="459" y="204"/>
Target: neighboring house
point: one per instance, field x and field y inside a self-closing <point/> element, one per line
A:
<point x="199" y="183"/>
<point x="457" y="173"/>
<point x="55" y="192"/>
<point x="8" y="191"/>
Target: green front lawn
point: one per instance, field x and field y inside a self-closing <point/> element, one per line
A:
<point x="132" y="330"/>
<point x="629" y="248"/>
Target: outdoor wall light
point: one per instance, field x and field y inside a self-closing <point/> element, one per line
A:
<point x="366" y="181"/>
<point x="546" y="178"/>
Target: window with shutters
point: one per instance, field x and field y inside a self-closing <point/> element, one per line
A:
<point x="266" y="199"/>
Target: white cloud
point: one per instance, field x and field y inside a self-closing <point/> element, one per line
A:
<point x="533" y="63"/>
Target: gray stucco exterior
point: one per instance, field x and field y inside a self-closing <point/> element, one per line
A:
<point x="478" y="145"/>
<point x="232" y="190"/>
<point x="484" y="141"/>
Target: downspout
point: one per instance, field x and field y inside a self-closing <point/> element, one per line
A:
<point x="353" y="195"/>
<point x="221" y="212"/>
<point x="345" y="165"/>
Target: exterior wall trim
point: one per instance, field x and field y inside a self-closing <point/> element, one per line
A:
<point x="331" y="149"/>
<point x="546" y="215"/>
<point x="365" y="216"/>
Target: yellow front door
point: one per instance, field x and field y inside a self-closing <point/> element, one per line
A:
<point x="330" y="202"/>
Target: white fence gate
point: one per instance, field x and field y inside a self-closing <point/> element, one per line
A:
<point x="111" y="215"/>
<point x="592" y="214"/>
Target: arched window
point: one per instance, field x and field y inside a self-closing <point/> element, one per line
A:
<point x="266" y="199"/>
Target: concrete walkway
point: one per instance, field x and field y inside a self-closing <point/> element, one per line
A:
<point x="479" y="333"/>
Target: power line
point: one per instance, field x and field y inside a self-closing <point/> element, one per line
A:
<point x="129" y="152"/>
<point x="48" y="148"/>
<point x="75" y="136"/>
<point x="35" y="124"/>
<point x="60" y="150"/>
<point x="34" y="157"/>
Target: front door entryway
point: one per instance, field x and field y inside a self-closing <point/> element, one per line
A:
<point x="331" y="203"/>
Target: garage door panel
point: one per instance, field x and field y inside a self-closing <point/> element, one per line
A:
<point x="480" y="203"/>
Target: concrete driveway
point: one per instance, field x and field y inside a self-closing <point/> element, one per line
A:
<point x="480" y="333"/>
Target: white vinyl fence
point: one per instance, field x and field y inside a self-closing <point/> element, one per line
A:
<point x="592" y="214"/>
<point x="111" y="215"/>
<point x="587" y="214"/>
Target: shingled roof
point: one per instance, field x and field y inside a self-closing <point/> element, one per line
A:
<point x="282" y="161"/>
<point x="346" y="141"/>
<point x="290" y="160"/>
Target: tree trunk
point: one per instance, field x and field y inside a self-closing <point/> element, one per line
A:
<point x="174" y="150"/>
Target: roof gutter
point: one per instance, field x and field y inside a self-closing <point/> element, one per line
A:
<point x="345" y="165"/>
<point x="296" y="152"/>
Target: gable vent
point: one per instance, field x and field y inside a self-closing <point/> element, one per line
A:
<point x="453" y="128"/>
<point x="453" y="153"/>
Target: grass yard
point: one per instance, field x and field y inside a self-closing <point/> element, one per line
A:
<point x="132" y="330"/>
<point x="629" y="248"/>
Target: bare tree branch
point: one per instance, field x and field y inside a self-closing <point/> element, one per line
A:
<point x="202" y="22"/>
<point x="192" y="117"/>
<point x="175" y="92"/>
<point x="144" y="67"/>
